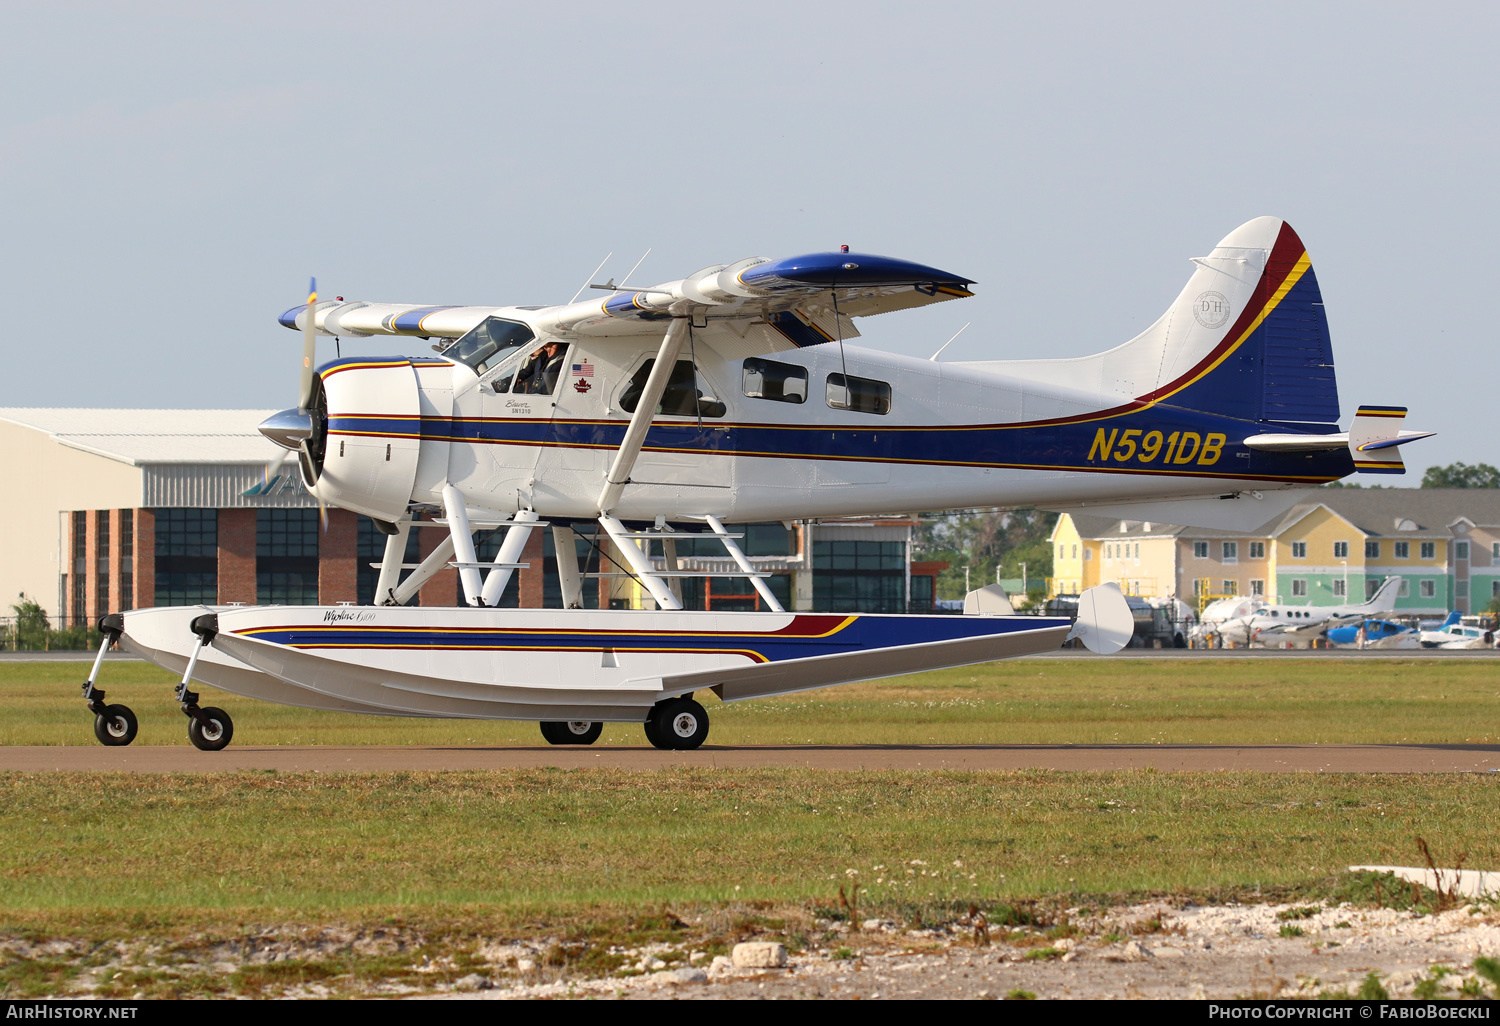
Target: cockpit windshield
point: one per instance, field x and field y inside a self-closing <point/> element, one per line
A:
<point x="489" y="342"/>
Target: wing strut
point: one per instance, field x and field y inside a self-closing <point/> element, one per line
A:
<point x="640" y="420"/>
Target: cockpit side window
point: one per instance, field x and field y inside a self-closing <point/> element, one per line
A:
<point x="489" y="342"/>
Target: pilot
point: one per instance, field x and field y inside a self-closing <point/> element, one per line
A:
<point x="539" y="375"/>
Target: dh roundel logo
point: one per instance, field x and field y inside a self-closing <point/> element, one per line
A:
<point x="1211" y="309"/>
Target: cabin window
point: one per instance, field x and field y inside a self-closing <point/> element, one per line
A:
<point x="685" y="395"/>
<point x="860" y="395"/>
<point x="1200" y="550"/>
<point x="489" y="342"/>
<point x="768" y="379"/>
<point x="1341" y="550"/>
<point x="1299" y="551"/>
<point x="1429" y="550"/>
<point x="1403" y="550"/>
<point x="1299" y="587"/>
<point x="1372" y="550"/>
<point x="1428" y="589"/>
<point x="1257" y="550"/>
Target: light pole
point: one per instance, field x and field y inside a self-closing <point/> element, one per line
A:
<point x="966" y="578"/>
<point x="1023" y="578"/>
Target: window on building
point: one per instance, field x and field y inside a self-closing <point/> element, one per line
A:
<point x="1299" y="587"/>
<point x="1229" y="587"/>
<point x="370" y="548"/>
<point x="286" y="557"/>
<point x="1495" y="551"/>
<point x="588" y="563"/>
<point x="1258" y="589"/>
<point x="1075" y="551"/>
<point x="1461" y="550"/>
<point x="1200" y="550"/>
<point x="80" y="566"/>
<point x="1257" y="550"/>
<point x="1341" y="550"/>
<point x="1299" y="550"/>
<point x="859" y="576"/>
<point x="768" y="379"/>
<point x="1340" y="587"/>
<point x="1372" y="550"/>
<point x="1061" y="552"/>
<point x="1402" y="549"/>
<point x="1230" y="551"/>
<point x="187" y="556"/>
<point x="101" y="561"/>
<point x="1428" y="589"/>
<point x="127" y="560"/>
<point x="1429" y="550"/>
<point x="1088" y="554"/>
<point x="1402" y="592"/>
<point x="859" y="395"/>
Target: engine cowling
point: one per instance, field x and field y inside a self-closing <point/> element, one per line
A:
<point x="372" y="434"/>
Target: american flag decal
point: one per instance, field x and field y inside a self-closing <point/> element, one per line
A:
<point x="584" y="369"/>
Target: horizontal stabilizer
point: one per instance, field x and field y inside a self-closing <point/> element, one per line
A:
<point x="1318" y="443"/>
<point x="1375" y="438"/>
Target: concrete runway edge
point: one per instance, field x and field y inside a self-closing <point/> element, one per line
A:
<point x="1332" y="758"/>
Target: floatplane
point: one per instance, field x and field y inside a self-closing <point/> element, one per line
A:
<point x="732" y="396"/>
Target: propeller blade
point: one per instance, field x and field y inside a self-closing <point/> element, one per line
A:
<point x="309" y="348"/>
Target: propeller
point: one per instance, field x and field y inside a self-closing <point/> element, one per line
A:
<point x="291" y="429"/>
<point x="309" y="347"/>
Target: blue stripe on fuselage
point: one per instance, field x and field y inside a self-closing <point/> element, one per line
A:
<point x="1138" y="441"/>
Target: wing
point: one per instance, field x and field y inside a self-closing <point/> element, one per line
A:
<point x="749" y="307"/>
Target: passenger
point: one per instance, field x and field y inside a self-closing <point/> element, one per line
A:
<point x="539" y="375"/>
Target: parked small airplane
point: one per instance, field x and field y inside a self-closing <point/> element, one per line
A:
<point x="1453" y="634"/>
<point x="1277" y="624"/>
<point x="1377" y="634"/>
<point x="733" y="396"/>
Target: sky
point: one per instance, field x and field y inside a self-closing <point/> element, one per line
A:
<point x="171" y="174"/>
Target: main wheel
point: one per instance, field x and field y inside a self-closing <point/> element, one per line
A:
<point x="571" y="732"/>
<point x="678" y="724"/>
<point x="116" y="726"/>
<point x="210" y="730"/>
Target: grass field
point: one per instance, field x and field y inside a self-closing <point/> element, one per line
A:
<point x="180" y="864"/>
<point x="539" y="843"/>
<point x="1021" y="701"/>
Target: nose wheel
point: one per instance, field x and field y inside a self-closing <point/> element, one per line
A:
<point x="677" y="724"/>
<point x="210" y="729"/>
<point x="572" y="732"/>
<point x="115" y="725"/>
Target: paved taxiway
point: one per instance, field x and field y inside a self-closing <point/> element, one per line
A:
<point x="1450" y="758"/>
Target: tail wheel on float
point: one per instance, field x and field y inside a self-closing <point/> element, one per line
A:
<point x="678" y="724"/>
<point x="571" y="732"/>
<point x="210" y="730"/>
<point x="116" y="726"/>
